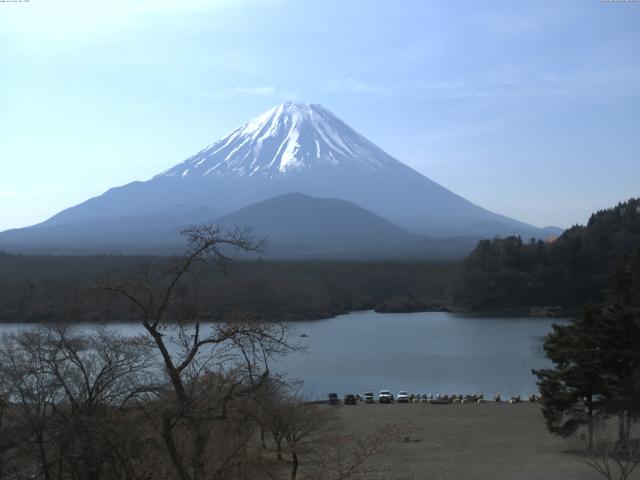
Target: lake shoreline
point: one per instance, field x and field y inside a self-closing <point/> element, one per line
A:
<point x="427" y="353"/>
<point x="296" y="317"/>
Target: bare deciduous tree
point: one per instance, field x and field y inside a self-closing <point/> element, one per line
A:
<point x="206" y="367"/>
<point x="64" y="390"/>
<point x="611" y="457"/>
<point x="267" y="408"/>
<point x="301" y="423"/>
<point x="340" y="456"/>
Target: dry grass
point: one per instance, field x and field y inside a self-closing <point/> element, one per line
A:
<point x="467" y="441"/>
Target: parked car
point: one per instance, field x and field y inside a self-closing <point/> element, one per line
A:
<point x="403" y="397"/>
<point x="440" y="400"/>
<point x="368" y="396"/>
<point x="350" y="399"/>
<point x="333" y="399"/>
<point x="385" y="396"/>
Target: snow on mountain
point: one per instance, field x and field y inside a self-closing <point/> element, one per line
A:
<point x="291" y="148"/>
<point x="285" y="139"/>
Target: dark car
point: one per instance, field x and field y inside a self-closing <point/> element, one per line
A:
<point x="333" y="399"/>
<point x="350" y="399"/>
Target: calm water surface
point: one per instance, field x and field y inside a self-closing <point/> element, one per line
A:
<point x="429" y="352"/>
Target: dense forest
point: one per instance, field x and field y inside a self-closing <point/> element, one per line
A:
<point x="502" y="273"/>
<point x="71" y="288"/>
<point x="572" y="270"/>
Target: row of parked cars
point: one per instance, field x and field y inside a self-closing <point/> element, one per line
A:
<point x="385" y="396"/>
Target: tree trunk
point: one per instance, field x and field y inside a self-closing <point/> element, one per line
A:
<point x="264" y="444"/>
<point x="197" y="458"/>
<point x="621" y="428"/>
<point x="278" y="440"/>
<point x="172" y="449"/>
<point x="294" y="465"/>
<point x="590" y="425"/>
<point x="43" y="458"/>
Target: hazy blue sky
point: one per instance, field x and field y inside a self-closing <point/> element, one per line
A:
<point x="531" y="109"/>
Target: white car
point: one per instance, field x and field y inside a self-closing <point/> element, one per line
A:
<point x="385" y="396"/>
<point x="403" y="397"/>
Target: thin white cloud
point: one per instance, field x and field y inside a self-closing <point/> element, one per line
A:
<point x="269" y="91"/>
<point x="261" y="91"/>
<point x="577" y="82"/>
<point x="510" y="24"/>
<point x="511" y="82"/>
<point x="265" y="91"/>
<point x="31" y="192"/>
<point x="449" y="90"/>
<point x="353" y="85"/>
<point x="70" y="19"/>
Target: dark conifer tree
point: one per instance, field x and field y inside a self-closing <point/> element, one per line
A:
<point x="597" y="361"/>
<point x="572" y="393"/>
<point x="620" y="341"/>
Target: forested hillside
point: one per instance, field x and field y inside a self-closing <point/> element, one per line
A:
<point x="504" y="273"/>
<point x="572" y="270"/>
<point x="70" y="288"/>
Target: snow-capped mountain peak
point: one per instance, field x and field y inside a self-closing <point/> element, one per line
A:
<point x="285" y="153"/>
<point x="288" y="138"/>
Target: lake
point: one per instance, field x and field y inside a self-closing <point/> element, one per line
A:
<point x="432" y="352"/>
<point x="429" y="352"/>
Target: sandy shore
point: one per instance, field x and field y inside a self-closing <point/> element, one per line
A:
<point x="466" y="441"/>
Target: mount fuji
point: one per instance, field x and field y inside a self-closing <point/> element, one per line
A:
<point x="287" y="140"/>
<point x="291" y="148"/>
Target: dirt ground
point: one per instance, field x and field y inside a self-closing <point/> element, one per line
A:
<point x="466" y="441"/>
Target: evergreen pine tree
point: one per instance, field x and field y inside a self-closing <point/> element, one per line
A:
<point x="572" y="392"/>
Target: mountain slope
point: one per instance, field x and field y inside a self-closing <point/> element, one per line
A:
<point x="298" y="215"/>
<point x="297" y="225"/>
<point x="290" y="148"/>
<point x="294" y="225"/>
